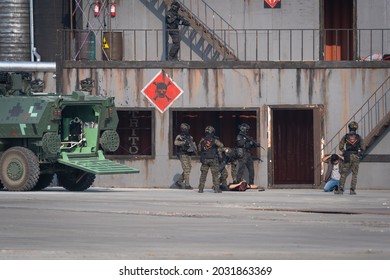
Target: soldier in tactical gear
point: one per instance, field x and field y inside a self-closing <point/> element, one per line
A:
<point x="173" y="20"/>
<point x="244" y="146"/>
<point x="228" y="156"/>
<point x="352" y="146"/>
<point x="208" y="147"/>
<point x="185" y="149"/>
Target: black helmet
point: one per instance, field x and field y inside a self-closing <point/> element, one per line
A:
<point x="175" y="5"/>
<point x="353" y="126"/>
<point x="209" y="129"/>
<point x="244" y="127"/>
<point x="184" y="127"/>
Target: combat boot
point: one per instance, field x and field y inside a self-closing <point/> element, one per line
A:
<point x="200" y="190"/>
<point x="352" y="192"/>
<point x="217" y="190"/>
<point x="188" y="187"/>
<point x="338" y="192"/>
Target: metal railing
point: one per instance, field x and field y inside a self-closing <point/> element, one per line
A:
<point x="206" y="14"/>
<point x="368" y="117"/>
<point x="248" y="44"/>
<point x="213" y="21"/>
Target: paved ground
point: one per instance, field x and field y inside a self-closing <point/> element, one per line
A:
<point x="119" y="223"/>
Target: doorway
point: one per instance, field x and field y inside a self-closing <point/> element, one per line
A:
<point x="338" y="25"/>
<point x="293" y="146"/>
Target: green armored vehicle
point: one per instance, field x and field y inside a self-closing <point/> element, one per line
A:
<point x="43" y="135"/>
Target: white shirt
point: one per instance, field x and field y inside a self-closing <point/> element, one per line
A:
<point x="335" y="172"/>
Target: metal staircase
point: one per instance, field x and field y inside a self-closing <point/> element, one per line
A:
<point x="216" y="36"/>
<point x="373" y="118"/>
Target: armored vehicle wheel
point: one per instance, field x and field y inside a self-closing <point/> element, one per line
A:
<point x="77" y="180"/>
<point x="43" y="182"/>
<point x="19" y="169"/>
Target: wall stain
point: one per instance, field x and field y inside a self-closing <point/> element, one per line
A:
<point x="257" y="79"/>
<point x="216" y="87"/>
<point x="346" y="95"/>
<point x="191" y="76"/>
<point x="311" y="83"/>
<point x="206" y="86"/>
<point x="324" y="88"/>
<point x="298" y="83"/>
<point x="138" y="86"/>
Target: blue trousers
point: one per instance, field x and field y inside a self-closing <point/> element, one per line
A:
<point x="331" y="185"/>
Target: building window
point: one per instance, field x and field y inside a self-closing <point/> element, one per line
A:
<point x="225" y="122"/>
<point x="135" y="133"/>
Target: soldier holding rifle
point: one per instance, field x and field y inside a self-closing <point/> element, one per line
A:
<point x="185" y="149"/>
<point x="244" y="145"/>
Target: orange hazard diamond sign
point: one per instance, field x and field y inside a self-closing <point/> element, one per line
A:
<point x="272" y="4"/>
<point x="162" y="91"/>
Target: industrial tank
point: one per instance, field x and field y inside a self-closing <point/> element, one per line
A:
<point x="15" y="30"/>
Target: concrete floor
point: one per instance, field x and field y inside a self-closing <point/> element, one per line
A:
<point x="165" y="224"/>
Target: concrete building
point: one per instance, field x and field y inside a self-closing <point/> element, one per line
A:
<point x="297" y="73"/>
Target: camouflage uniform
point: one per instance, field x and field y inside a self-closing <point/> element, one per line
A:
<point x="229" y="157"/>
<point x="208" y="147"/>
<point x="244" y="146"/>
<point x="184" y="153"/>
<point x="352" y="146"/>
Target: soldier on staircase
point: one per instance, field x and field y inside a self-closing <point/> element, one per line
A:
<point x="173" y="20"/>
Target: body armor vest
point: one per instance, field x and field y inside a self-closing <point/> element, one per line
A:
<point x="209" y="149"/>
<point x="352" y="142"/>
<point x="180" y="150"/>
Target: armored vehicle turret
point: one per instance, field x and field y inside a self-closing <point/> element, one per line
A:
<point x="47" y="134"/>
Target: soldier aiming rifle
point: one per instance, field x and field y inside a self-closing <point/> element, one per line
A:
<point x="189" y="144"/>
<point x="185" y="149"/>
<point x="244" y="145"/>
<point x="227" y="156"/>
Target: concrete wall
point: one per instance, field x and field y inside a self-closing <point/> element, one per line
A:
<point x="340" y="91"/>
<point x="244" y="17"/>
<point x="373" y="14"/>
<point x="251" y="14"/>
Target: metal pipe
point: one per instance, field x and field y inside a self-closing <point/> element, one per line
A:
<point x="31" y="31"/>
<point x="27" y="66"/>
<point x="36" y="54"/>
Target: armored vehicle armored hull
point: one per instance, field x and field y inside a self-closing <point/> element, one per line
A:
<point x="43" y="135"/>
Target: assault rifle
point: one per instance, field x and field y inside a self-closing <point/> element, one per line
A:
<point x="254" y="142"/>
<point x="226" y="157"/>
<point x="190" y="144"/>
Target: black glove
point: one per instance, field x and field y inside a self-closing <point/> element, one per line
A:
<point x="185" y="23"/>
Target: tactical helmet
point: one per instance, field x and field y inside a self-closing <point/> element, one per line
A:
<point x="209" y="129"/>
<point x="184" y="127"/>
<point x="353" y="126"/>
<point x="244" y="127"/>
<point x="175" y="5"/>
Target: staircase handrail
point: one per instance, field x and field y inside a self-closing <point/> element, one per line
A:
<point x="362" y="130"/>
<point x="214" y="29"/>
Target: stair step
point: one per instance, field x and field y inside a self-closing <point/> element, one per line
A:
<point x="207" y="34"/>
